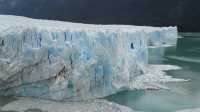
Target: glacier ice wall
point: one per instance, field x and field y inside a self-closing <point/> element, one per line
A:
<point x="163" y="36"/>
<point x="62" y="60"/>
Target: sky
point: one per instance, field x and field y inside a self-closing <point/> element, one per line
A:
<point x="182" y="13"/>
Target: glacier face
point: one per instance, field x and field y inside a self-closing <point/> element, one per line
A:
<point x="163" y="36"/>
<point x="62" y="60"/>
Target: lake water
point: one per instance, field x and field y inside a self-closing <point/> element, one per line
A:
<point x="182" y="95"/>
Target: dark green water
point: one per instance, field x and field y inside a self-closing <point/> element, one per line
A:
<point x="182" y="95"/>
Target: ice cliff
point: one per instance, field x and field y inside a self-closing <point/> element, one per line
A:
<point x="63" y="60"/>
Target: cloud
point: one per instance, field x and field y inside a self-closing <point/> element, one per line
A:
<point x="2" y="0"/>
<point x="8" y="3"/>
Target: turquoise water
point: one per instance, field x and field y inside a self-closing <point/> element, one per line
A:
<point x="182" y="95"/>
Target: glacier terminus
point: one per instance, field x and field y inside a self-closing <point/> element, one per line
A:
<point x="74" y="61"/>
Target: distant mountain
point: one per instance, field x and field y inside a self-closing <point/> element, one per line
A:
<point x="184" y="13"/>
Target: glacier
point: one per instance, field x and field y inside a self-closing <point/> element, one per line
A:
<point x="74" y="61"/>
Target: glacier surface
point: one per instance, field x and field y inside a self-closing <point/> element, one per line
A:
<point x="62" y="60"/>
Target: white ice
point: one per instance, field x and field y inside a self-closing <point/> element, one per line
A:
<point x="28" y="104"/>
<point x="63" y="60"/>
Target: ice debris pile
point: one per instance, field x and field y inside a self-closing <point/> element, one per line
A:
<point x="74" y="61"/>
<point x="36" y="105"/>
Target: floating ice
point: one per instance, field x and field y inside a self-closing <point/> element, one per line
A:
<point x="28" y="104"/>
<point x="154" y="76"/>
<point x="190" y="110"/>
<point x="62" y="60"/>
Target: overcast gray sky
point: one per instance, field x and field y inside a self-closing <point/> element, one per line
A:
<point x="184" y="13"/>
